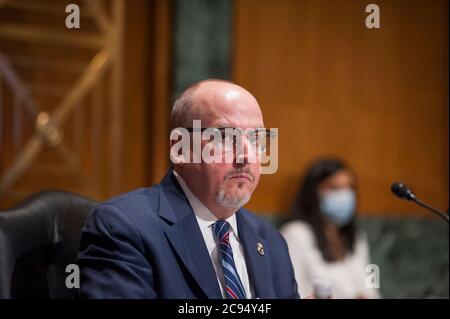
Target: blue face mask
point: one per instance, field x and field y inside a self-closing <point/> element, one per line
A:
<point x="338" y="205"/>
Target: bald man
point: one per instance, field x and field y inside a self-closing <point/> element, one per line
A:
<point x="189" y="236"/>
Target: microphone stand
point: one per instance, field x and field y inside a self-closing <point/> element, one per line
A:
<point x="434" y="210"/>
<point x="404" y="192"/>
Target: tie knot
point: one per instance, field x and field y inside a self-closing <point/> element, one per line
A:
<point x="221" y="229"/>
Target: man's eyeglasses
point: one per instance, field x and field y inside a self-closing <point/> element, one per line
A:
<point x="227" y="137"/>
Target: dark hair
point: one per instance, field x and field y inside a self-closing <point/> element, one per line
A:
<point x="307" y="207"/>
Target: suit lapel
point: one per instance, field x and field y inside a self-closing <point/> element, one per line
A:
<point x="258" y="265"/>
<point x="183" y="232"/>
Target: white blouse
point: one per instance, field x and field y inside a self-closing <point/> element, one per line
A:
<point x="347" y="277"/>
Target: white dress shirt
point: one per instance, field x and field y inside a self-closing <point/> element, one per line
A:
<point x="206" y="220"/>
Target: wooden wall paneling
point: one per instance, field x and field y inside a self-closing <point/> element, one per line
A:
<point x="376" y="98"/>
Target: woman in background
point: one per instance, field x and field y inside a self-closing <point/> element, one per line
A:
<point x="323" y="240"/>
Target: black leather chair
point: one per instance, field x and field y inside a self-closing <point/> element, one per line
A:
<point x="38" y="238"/>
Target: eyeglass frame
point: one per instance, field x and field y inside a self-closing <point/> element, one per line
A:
<point x="269" y="133"/>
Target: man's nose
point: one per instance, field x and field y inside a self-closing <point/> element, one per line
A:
<point x="245" y="152"/>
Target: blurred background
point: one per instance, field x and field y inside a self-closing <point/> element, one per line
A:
<point x="86" y="110"/>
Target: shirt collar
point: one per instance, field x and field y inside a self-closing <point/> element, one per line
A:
<point x="205" y="217"/>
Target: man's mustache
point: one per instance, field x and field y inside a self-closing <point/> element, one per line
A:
<point x="240" y="171"/>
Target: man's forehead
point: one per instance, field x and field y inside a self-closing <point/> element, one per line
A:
<point x="235" y="124"/>
<point x="237" y="117"/>
<point x="226" y="105"/>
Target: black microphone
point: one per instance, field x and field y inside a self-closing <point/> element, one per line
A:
<point x="404" y="192"/>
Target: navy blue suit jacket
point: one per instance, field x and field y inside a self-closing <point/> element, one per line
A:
<point x="147" y="244"/>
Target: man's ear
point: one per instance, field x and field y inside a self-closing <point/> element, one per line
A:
<point x="176" y="146"/>
<point x="176" y="156"/>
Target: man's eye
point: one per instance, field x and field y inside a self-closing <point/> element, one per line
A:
<point x="213" y="134"/>
<point x="254" y="136"/>
<point x="228" y="138"/>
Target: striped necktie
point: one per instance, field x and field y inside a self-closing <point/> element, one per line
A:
<point x="233" y="285"/>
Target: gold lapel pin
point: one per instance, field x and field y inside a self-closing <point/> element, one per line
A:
<point x="260" y="249"/>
